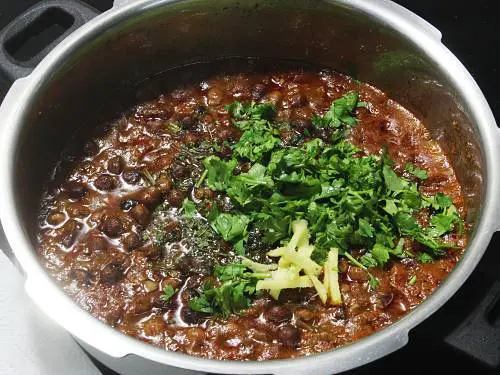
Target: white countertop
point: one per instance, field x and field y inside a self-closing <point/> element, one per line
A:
<point x="31" y="343"/>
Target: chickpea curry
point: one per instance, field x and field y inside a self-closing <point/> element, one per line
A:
<point x="255" y="216"/>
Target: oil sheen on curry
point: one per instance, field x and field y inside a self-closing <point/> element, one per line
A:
<point x="255" y="216"/>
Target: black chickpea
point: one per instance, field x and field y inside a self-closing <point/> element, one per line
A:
<point x="106" y="182"/>
<point x="116" y="165"/>
<point x="175" y="197"/>
<point x="96" y="243"/>
<point x="131" y="177"/>
<point x="149" y="196"/>
<point x="140" y="304"/>
<point x="112" y="226"/>
<point x="141" y="214"/>
<point x="112" y="273"/>
<point x="289" y="335"/>
<point x="82" y="276"/>
<point x="131" y="241"/>
<point x="214" y="96"/>
<point x="70" y="232"/>
<point x="179" y="170"/>
<point x="187" y="122"/>
<point x="278" y="314"/>
<point x="90" y="148"/>
<point x="258" y="91"/>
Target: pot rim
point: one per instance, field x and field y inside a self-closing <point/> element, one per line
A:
<point x="50" y="298"/>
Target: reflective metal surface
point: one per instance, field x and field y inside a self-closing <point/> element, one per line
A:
<point x="374" y="40"/>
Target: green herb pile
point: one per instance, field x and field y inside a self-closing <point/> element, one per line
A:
<point x="237" y="286"/>
<point x="350" y="201"/>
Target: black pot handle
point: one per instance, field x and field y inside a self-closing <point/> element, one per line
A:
<point x="479" y="334"/>
<point x="58" y="18"/>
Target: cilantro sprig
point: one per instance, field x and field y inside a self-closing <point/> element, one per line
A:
<point x="168" y="293"/>
<point x="259" y="135"/>
<point x="232" y="294"/>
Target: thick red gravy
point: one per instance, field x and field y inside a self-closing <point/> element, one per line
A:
<point x="92" y="222"/>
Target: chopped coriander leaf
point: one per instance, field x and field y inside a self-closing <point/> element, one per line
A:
<point x="251" y="110"/>
<point x="230" y="226"/>
<point x="188" y="208"/>
<point x="373" y="282"/>
<point x="168" y="293"/>
<point x="201" y="304"/>
<point x="274" y="228"/>
<point x="392" y="180"/>
<point x="380" y="253"/>
<point x="442" y="201"/>
<point x="442" y="223"/>
<point x="259" y="136"/>
<point x="415" y="171"/>
<point x="231" y="295"/>
<point x="425" y="258"/>
<point x="219" y="172"/>
<point x="174" y="127"/>
<point x="239" y="246"/>
<point x="256" y="177"/>
<point x="340" y="112"/>
<point x="255" y="142"/>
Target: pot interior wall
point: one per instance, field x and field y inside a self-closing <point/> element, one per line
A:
<point x="100" y="76"/>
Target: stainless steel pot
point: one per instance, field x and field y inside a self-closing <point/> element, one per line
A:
<point x="376" y="40"/>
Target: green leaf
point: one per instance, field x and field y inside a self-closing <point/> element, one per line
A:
<point x="399" y="249"/>
<point x="340" y="113"/>
<point x="256" y="177"/>
<point x="201" y="304"/>
<point x="406" y="223"/>
<point x="239" y="247"/>
<point x="275" y="228"/>
<point x="365" y="228"/>
<point x="415" y="171"/>
<point x="380" y="254"/>
<point x="251" y="110"/>
<point x="168" y="292"/>
<point x="239" y="192"/>
<point x="425" y="258"/>
<point x="411" y="200"/>
<point x="189" y="208"/>
<point x="230" y="226"/>
<point x="390" y="206"/>
<point x="442" y="201"/>
<point x="220" y="173"/>
<point x="254" y="143"/>
<point x="368" y="261"/>
<point x="442" y="224"/>
<point x="373" y="282"/>
<point x="392" y="181"/>
<point x="232" y="295"/>
<point x="229" y="271"/>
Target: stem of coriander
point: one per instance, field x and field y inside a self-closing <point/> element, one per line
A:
<point x="202" y="177"/>
<point x="354" y="261"/>
<point x="373" y="279"/>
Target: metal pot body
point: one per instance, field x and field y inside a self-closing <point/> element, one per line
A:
<point x="95" y="70"/>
